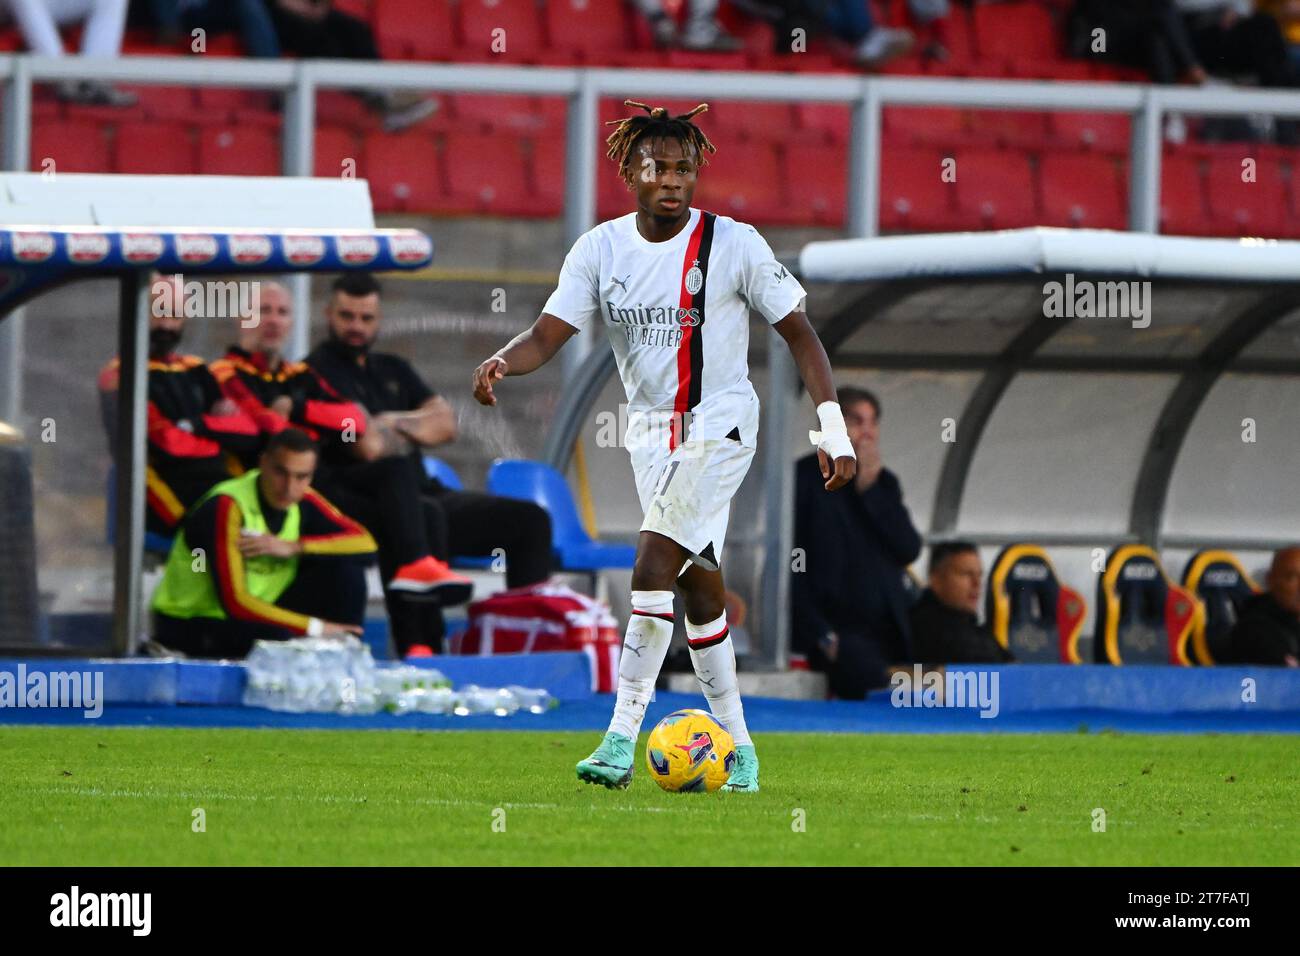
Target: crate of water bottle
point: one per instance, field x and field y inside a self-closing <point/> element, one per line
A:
<point x="472" y="700"/>
<point x="310" y="675"/>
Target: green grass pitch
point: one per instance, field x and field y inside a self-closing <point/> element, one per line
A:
<point x="122" y="796"/>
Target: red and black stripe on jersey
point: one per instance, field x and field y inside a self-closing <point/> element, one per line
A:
<point x="690" y="351"/>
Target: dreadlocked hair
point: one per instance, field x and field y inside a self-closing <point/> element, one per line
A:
<point x="657" y="124"/>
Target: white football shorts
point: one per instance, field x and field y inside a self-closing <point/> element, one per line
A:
<point x="686" y="495"/>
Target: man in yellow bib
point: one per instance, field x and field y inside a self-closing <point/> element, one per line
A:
<point x="263" y="556"/>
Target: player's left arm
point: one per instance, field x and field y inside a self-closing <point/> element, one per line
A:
<point x="815" y="370"/>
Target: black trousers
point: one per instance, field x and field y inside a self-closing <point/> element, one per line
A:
<point x="336" y="36"/>
<point x="330" y="588"/>
<point x="861" y="664"/>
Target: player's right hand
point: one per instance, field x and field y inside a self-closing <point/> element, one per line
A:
<point x="490" y="371"/>
<point x="336" y="630"/>
<point x="846" y="466"/>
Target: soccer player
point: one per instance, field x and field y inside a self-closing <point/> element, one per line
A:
<point x="673" y="286"/>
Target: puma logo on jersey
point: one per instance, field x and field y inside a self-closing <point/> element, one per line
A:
<point x="621" y="283"/>
<point x="636" y="650"/>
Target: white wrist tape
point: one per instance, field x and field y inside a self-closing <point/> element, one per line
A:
<point x="833" y="438"/>
<point x="315" y="627"/>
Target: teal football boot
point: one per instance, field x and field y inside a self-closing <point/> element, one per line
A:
<point x="610" y="764"/>
<point x="744" y="778"/>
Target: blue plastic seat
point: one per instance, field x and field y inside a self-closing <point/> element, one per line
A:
<point x="540" y="483"/>
<point x="439" y="469"/>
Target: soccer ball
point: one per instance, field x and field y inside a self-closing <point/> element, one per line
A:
<point x="690" y="752"/>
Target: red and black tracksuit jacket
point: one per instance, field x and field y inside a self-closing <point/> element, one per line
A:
<point x="190" y="449"/>
<point x="251" y="383"/>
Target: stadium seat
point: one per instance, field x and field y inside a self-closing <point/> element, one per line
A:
<point x="913" y="196"/>
<point x="1012" y="129"/>
<point x="1030" y="612"/>
<point x="1182" y="196"/>
<point x="404" y="171"/>
<point x="994" y="190"/>
<point x="74" y="146"/>
<point x="1005" y="31"/>
<point x="154" y="148"/>
<point x="1081" y="191"/>
<point x="1142" y="616"/>
<point x="830" y="121"/>
<point x="334" y="146"/>
<point x="1240" y="207"/>
<point x="413" y="29"/>
<point x="588" y="28"/>
<point x="443" y="472"/>
<point x="924" y="125"/>
<point x="1098" y="132"/>
<point x="486" y="174"/>
<point x="819" y="176"/>
<point x="239" y="151"/>
<point x="514" y="23"/>
<point x="488" y="112"/>
<point x="574" y="548"/>
<point x="1220" y="584"/>
<point x="743" y="180"/>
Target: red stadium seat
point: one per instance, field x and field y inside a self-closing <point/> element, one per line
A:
<point x="925" y="125"/>
<point x="995" y="190"/>
<point x="831" y="121"/>
<point x="587" y="27"/>
<point x="519" y="25"/>
<point x="1101" y="132"/>
<point x="510" y="113"/>
<point x="343" y="109"/>
<point x="404" y="170"/>
<point x="1079" y="190"/>
<point x="335" y="145"/>
<point x="1240" y="207"/>
<point x="74" y="146"/>
<point x="239" y="151"/>
<point x="486" y="174"/>
<point x="818" y="177"/>
<point x="164" y="102"/>
<point x="1008" y="31"/>
<point x="154" y="148"/>
<point x="414" y="29"/>
<point x="743" y="180"/>
<point x="770" y="122"/>
<point x="1014" y="129"/>
<point x="1182" y="196"/>
<point x="913" y="195"/>
<point x="546" y="173"/>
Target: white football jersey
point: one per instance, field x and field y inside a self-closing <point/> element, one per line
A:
<point x="677" y="316"/>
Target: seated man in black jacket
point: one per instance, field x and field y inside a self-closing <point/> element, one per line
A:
<point x="1268" y="630"/>
<point x="944" y="626"/>
<point x="852" y="547"/>
<point x="407" y="417"/>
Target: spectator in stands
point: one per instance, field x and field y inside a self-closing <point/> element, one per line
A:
<point x="407" y="418"/>
<point x="355" y="472"/>
<point x="1146" y="34"/>
<point x="849" y="21"/>
<point x="702" y="32"/>
<point x="313" y="28"/>
<point x="944" y="626"/>
<point x="1287" y="15"/>
<point x="104" y="23"/>
<point x="249" y="18"/>
<point x="263" y="557"/>
<point x="193" y="430"/>
<point x="848" y="602"/>
<point x="1268" y="630"/>
<point x="1233" y="39"/>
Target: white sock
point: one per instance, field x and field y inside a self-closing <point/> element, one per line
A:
<point x="715" y="668"/>
<point x="649" y="632"/>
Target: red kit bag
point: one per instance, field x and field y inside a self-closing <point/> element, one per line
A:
<point x="545" y="617"/>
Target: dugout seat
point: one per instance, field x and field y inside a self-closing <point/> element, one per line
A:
<point x="1220" y="584"/>
<point x="443" y="472"/>
<point x="1142" y="616"/>
<point x="155" y="545"/>
<point x="574" y="548"/>
<point x="1030" y="612"/>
